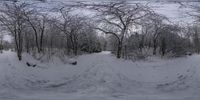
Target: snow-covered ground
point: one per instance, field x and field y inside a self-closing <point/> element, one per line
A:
<point x="99" y="76"/>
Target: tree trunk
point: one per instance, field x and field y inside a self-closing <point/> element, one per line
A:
<point x="119" y="50"/>
<point x="75" y="51"/>
<point x="75" y="47"/>
<point x="41" y="42"/>
<point x="154" y="47"/>
<point x="19" y="55"/>
<point x="163" y="47"/>
<point x="41" y="37"/>
<point x="20" y="43"/>
<point x="27" y="48"/>
<point x="27" y="43"/>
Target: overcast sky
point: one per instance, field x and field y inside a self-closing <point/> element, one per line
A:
<point x="170" y="9"/>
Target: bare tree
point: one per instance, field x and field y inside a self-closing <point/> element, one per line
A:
<point x="37" y="22"/>
<point x="196" y="37"/>
<point x="12" y="18"/>
<point x="157" y="22"/>
<point x="119" y="19"/>
<point x="1" y="42"/>
<point x="195" y="29"/>
<point x="62" y="23"/>
<point x="71" y="26"/>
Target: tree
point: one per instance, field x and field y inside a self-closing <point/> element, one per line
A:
<point x="171" y="41"/>
<point x="1" y="42"/>
<point x="195" y="27"/>
<point x="88" y="39"/>
<point x="37" y="22"/>
<point x="12" y="18"/>
<point x="119" y="19"/>
<point x="157" y="22"/>
<point x="196" y="40"/>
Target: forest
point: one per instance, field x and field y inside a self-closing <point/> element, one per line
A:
<point x="129" y="30"/>
<point x="99" y="50"/>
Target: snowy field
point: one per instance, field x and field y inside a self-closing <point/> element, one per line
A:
<point x="99" y="76"/>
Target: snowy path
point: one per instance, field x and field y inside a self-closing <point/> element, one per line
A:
<point x="100" y="76"/>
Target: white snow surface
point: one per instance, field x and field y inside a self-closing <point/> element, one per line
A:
<point x="99" y="76"/>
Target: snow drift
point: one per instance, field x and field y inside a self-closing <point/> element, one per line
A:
<point x="101" y="73"/>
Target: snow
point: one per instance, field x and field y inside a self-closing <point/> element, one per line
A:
<point x="99" y="76"/>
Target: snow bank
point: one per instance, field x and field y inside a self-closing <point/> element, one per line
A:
<point x="101" y="73"/>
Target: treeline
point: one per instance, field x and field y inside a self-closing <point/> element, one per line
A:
<point x="133" y="30"/>
<point x="35" y="31"/>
